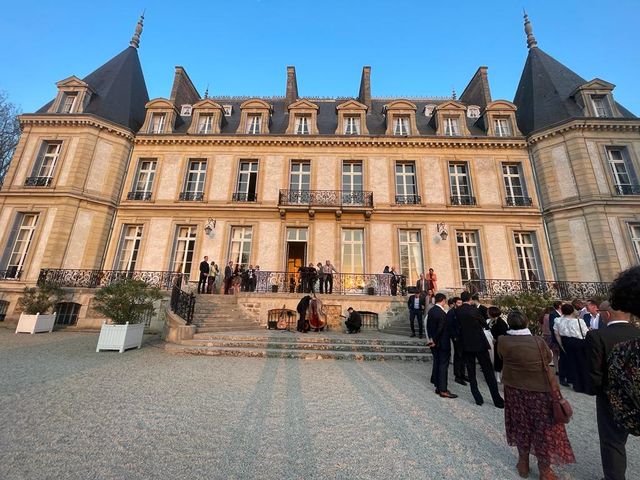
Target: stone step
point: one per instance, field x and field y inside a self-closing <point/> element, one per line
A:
<point x="225" y="328"/>
<point x="312" y="337"/>
<point x="295" y="353"/>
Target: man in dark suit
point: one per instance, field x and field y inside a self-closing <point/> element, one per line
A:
<point x="422" y="285"/>
<point x="624" y="295"/>
<point x="484" y="311"/>
<point x="475" y="346"/>
<point x="228" y="276"/>
<point x="417" y="304"/>
<point x="453" y="327"/>
<point x="204" y="273"/>
<point x="438" y="332"/>
<point x="592" y="317"/>
<point x="354" y="322"/>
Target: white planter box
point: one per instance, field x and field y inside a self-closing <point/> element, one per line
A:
<point x="120" y="337"/>
<point x="35" y="323"/>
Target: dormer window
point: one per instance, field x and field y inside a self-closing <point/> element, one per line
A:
<point x="253" y="124"/>
<point x="401" y="126"/>
<point x="205" y="123"/>
<point x="68" y="104"/>
<point x="228" y="110"/>
<point x="502" y="127"/>
<point x="428" y="110"/>
<point x="302" y="125"/>
<point x="473" y="111"/>
<point x="596" y="99"/>
<point x="185" y="111"/>
<point x="601" y="106"/>
<point x="157" y="123"/>
<point x="451" y="126"/>
<point x="352" y="125"/>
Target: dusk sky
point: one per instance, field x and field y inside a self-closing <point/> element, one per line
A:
<point x="415" y="48"/>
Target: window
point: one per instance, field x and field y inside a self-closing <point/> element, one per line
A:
<point x="514" y="185"/>
<point x="527" y="255"/>
<point x="635" y="239"/>
<point x="45" y="165"/>
<point x="600" y="106"/>
<point x="300" y="176"/>
<point x="157" y="123"/>
<point x="240" y="245"/>
<point x="352" y="183"/>
<point x="352" y="250"/>
<point x="205" y="123"/>
<point x="469" y="255"/>
<point x="68" y="102"/>
<point x="67" y="313"/>
<point x="451" y="127"/>
<point x="406" y="189"/>
<point x="352" y="125"/>
<point x="460" y="185"/>
<point x="128" y="248"/>
<point x="228" y="110"/>
<point x="624" y="175"/>
<point x="247" y="181"/>
<point x="473" y="112"/>
<point x="194" y="182"/>
<point x="185" y="110"/>
<point x="401" y="125"/>
<point x="428" y="110"/>
<point x="502" y="127"/>
<point x="411" y="264"/>
<point x="143" y="182"/>
<point x="18" y="245"/>
<point x="302" y="125"/>
<point x="253" y="124"/>
<point x="183" y="247"/>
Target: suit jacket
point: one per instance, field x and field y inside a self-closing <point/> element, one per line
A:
<point x="228" y="272"/>
<point x="204" y="267"/>
<point x="453" y="325"/>
<point x="422" y="285"/>
<point x="599" y="345"/>
<point x="587" y="321"/>
<point x="484" y="311"/>
<point x="437" y="328"/>
<point x="411" y="300"/>
<point x="472" y="328"/>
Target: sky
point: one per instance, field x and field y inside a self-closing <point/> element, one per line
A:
<point x="417" y="48"/>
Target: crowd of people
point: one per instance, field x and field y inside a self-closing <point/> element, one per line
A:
<point x="578" y="340"/>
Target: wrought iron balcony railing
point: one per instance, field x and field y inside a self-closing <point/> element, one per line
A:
<point x="191" y="196"/>
<point x="518" y="201"/>
<point x="462" y="200"/>
<point x="561" y="290"/>
<point x="100" y="278"/>
<point x="38" y="181"/>
<point x="182" y="303"/>
<point x="11" y="273"/>
<point x="326" y="198"/>
<point x="408" y="199"/>
<point x="628" y="189"/>
<point x="244" y="197"/>
<point x="139" y="196"/>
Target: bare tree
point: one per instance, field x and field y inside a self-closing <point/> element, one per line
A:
<point x="9" y="133"/>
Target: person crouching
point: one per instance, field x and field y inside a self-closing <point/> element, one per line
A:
<point x="353" y="322"/>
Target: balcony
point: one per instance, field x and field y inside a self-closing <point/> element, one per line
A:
<point x="408" y="199"/>
<point x="38" y="181"/>
<point x="139" y="196"/>
<point x="244" y="197"/>
<point x="627" y="189"/>
<point x="191" y="196"/>
<point x="462" y="200"/>
<point x="518" y="201"/>
<point x="326" y="198"/>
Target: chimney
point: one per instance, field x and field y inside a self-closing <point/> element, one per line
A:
<point x="292" y="86"/>
<point x="364" y="96"/>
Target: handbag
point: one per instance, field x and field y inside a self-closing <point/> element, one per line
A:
<point x="562" y="410"/>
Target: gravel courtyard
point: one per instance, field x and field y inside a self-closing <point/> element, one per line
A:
<point x="67" y="412"/>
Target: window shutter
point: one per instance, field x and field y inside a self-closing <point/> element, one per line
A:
<point x="538" y="258"/>
<point x="4" y="262"/>
<point x="630" y="169"/>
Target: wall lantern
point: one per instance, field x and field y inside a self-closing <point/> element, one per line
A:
<point x="209" y="226"/>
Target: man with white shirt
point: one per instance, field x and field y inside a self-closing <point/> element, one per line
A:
<point x="592" y="317"/>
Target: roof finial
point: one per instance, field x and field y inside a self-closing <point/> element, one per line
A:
<point x="206" y="91"/>
<point x="454" y="96"/>
<point x="135" y="40"/>
<point x="528" y="29"/>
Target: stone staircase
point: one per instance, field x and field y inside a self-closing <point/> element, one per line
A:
<point x="284" y="344"/>
<point x="221" y="313"/>
<point x="400" y="323"/>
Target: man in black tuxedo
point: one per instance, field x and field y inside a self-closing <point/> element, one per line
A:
<point x="228" y="276"/>
<point x="453" y="326"/>
<point x="475" y="346"/>
<point x="204" y="273"/>
<point x="354" y="322"/>
<point x="624" y="297"/>
<point x="484" y="311"/>
<point x="438" y="332"/>
<point x="417" y="304"/>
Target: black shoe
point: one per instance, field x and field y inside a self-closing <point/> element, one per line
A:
<point x="420" y="336"/>
<point x="412" y="335"/>
<point x="437" y="392"/>
<point x="448" y="394"/>
<point x="499" y="404"/>
<point x="466" y="379"/>
<point x="461" y="382"/>
<point x="479" y="402"/>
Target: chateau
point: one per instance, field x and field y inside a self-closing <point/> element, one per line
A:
<point x="541" y="188"/>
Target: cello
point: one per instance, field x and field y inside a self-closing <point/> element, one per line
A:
<point x="315" y="314"/>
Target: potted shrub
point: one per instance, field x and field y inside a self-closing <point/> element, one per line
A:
<point x="125" y="302"/>
<point x="36" y="303"/>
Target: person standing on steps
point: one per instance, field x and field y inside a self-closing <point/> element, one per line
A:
<point x="204" y="273"/>
<point x="416" y="304"/>
<point x="228" y="276"/>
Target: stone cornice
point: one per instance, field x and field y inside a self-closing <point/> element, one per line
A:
<point x="74" y="120"/>
<point x="592" y="124"/>
<point x="333" y="141"/>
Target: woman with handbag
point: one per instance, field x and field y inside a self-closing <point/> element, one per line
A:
<point x="531" y="398"/>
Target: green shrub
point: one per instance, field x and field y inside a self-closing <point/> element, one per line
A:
<point x="126" y="301"/>
<point x="531" y="304"/>
<point x="41" y="299"/>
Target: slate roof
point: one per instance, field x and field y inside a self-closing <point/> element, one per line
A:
<point x="543" y="94"/>
<point x="120" y="91"/>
